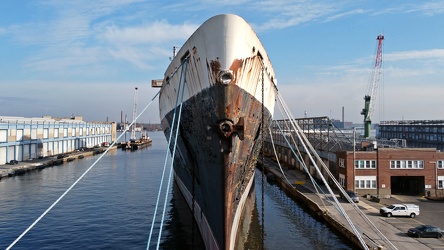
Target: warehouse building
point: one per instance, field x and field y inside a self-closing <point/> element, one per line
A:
<point x="416" y="133"/>
<point x="28" y="138"/>
<point x="386" y="171"/>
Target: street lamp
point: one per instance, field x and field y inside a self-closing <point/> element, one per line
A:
<point x="354" y="159"/>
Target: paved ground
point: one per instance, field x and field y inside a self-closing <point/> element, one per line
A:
<point x="394" y="228"/>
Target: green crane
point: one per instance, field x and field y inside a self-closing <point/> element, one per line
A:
<point x="369" y="99"/>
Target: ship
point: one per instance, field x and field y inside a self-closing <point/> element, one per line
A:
<point x="220" y="88"/>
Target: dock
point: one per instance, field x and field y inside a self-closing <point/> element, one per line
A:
<point x="21" y="167"/>
<point x="136" y="144"/>
<point x="300" y="188"/>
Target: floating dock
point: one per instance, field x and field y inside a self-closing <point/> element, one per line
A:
<point x="143" y="142"/>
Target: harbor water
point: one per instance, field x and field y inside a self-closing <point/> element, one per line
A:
<point x="112" y="207"/>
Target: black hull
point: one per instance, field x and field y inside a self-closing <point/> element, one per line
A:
<point x="215" y="169"/>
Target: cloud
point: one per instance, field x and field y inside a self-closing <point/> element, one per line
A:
<point x="431" y="8"/>
<point x="344" y="14"/>
<point x="415" y="55"/>
<point x="154" y="33"/>
<point x="428" y="9"/>
<point x="292" y="13"/>
<point x="82" y="34"/>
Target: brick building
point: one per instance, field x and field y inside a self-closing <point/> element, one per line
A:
<point x="386" y="171"/>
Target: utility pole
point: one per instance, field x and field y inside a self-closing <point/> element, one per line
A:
<point x="133" y="129"/>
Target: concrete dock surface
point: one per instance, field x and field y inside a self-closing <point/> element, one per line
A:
<point x="394" y="228"/>
<point x="20" y="167"/>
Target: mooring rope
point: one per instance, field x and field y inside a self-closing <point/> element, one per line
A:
<point x="336" y="203"/>
<point x="306" y="144"/>
<point x="172" y="129"/>
<point x="174" y="153"/>
<point x="81" y="177"/>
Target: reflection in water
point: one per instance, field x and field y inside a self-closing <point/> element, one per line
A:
<point x="182" y="231"/>
<point x="112" y="208"/>
<point x="287" y="225"/>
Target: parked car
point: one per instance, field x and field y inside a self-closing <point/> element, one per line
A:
<point x="425" y="231"/>
<point x="353" y="196"/>
<point x="411" y="210"/>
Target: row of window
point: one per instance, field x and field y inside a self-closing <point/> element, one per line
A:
<point x="20" y="133"/>
<point x="416" y="129"/>
<point x="400" y="164"/>
<point x="369" y="182"/>
<point x="365" y="164"/>
<point x="365" y="182"/>
<point x="394" y="164"/>
<point x="411" y="136"/>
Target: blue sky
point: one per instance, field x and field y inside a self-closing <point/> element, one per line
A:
<point x="85" y="58"/>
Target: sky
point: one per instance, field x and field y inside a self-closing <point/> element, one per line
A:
<point x="85" y="58"/>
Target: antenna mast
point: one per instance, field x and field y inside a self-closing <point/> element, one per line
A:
<point x="133" y="130"/>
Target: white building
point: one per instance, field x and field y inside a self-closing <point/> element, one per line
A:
<point x="27" y="138"/>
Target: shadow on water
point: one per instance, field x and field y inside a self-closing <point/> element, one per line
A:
<point x="182" y="231"/>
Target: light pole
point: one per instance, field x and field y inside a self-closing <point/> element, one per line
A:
<point x="354" y="159"/>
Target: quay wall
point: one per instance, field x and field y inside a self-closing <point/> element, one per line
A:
<point x="9" y="170"/>
<point x="313" y="208"/>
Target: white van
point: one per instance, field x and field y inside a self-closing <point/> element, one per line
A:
<point x="411" y="210"/>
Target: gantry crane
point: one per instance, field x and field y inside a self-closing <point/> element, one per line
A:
<point x="369" y="99"/>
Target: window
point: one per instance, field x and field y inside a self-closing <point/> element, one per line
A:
<point x="365" y="164"/>
<point x="56" y="133"/>
<point x="365" y="182"/>
<point x="19" y="135"/>
<point x="3" y="135"/>
<point x="440" y="163"/>
<point x="342" y="180"/>
<point x="341" y="163"/>
<point x="440" y="182"/>
<point x="407" y="164"/>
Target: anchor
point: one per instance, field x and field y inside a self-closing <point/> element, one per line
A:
<point x="226" y="129"/>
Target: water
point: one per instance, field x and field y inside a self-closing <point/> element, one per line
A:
<point x="112" y="208"/>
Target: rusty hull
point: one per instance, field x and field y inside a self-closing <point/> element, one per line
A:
<point x="219" y="143"/>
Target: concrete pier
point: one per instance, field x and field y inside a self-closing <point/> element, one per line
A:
<point x="301" y="189"/>
<point x="21" y="167"/>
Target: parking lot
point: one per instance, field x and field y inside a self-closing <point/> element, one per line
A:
<point x="431" y="213"/>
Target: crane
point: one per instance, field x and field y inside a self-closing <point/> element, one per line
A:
<point x="369" y="99"/>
